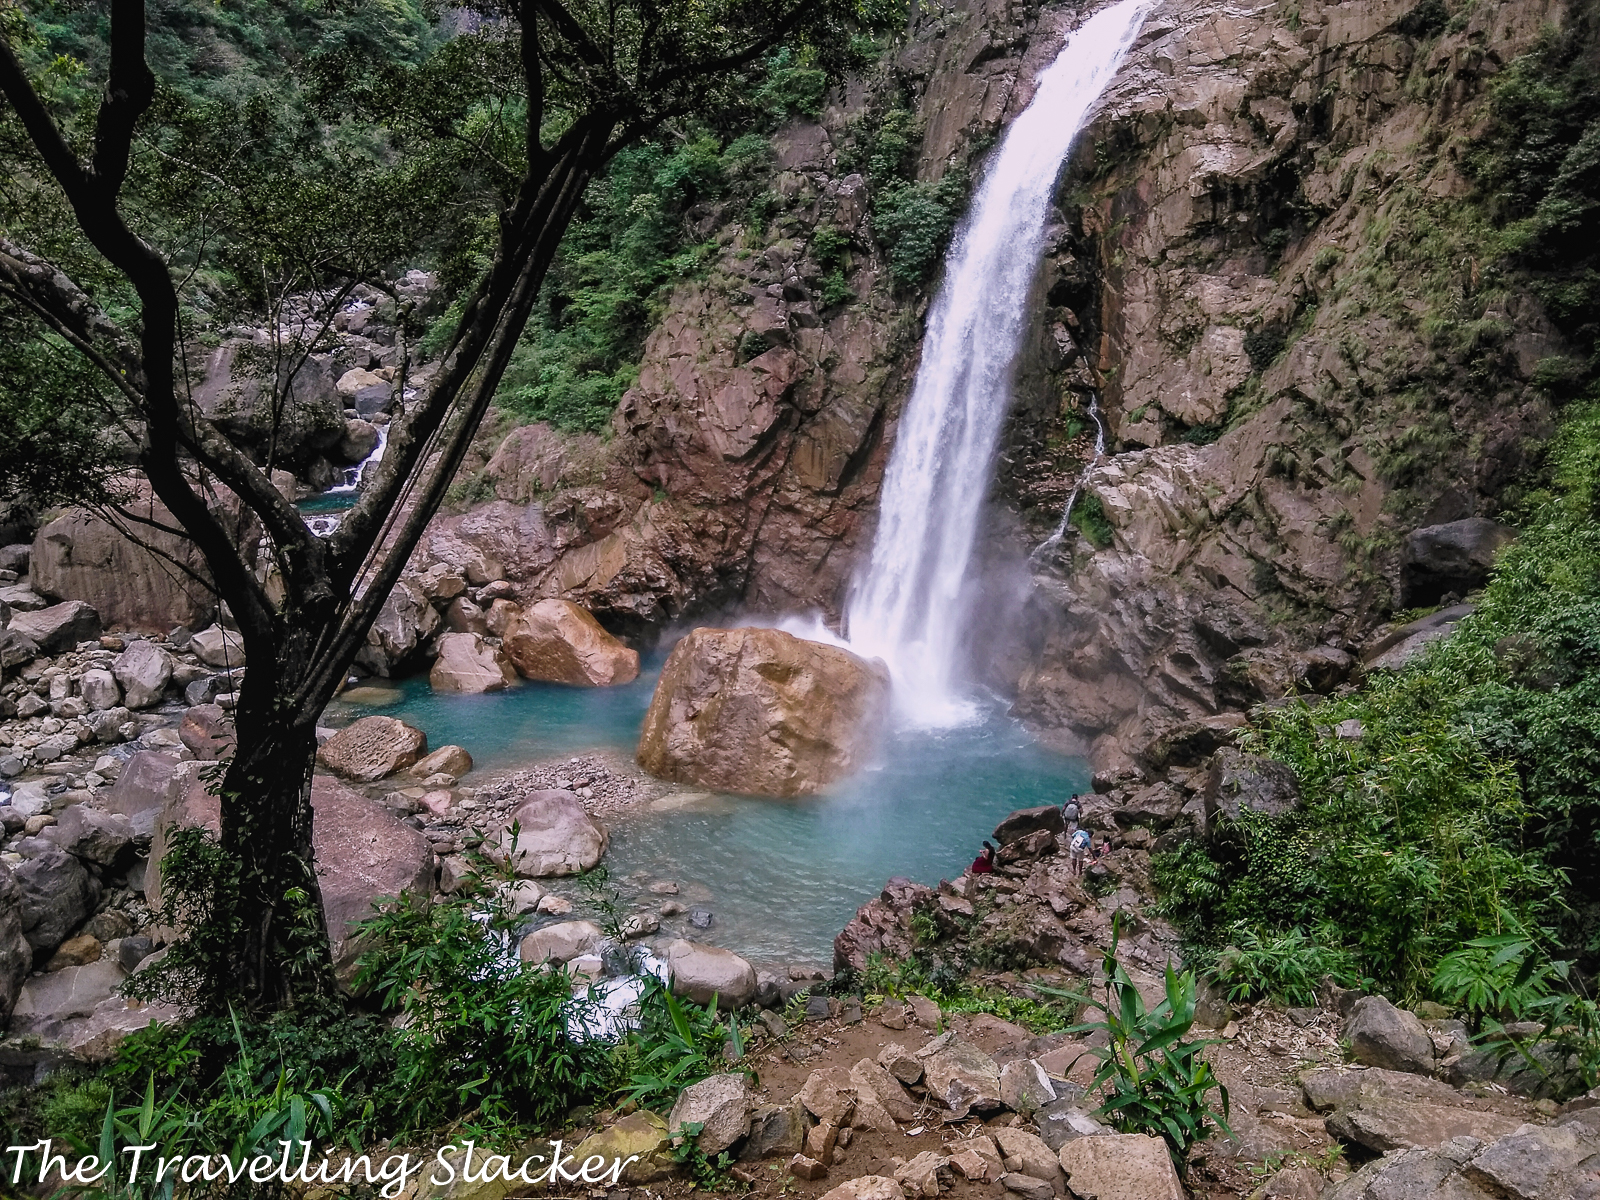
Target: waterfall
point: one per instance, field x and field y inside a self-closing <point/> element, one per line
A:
<point x="906" y="606"/>
<point x="1054" y="540"/>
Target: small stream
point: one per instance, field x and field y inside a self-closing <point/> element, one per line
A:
<point x="781" y="877"/>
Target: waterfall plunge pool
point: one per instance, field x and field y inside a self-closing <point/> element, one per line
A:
<point x="781" y="877"/>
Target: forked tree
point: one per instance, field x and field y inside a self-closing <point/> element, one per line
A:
<point x="541" y="95"/>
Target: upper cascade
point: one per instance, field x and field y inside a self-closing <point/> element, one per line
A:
<point x="908" y="606"/>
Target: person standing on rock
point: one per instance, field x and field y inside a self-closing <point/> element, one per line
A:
<point x="984" y="863"/>
<point x="1078" y="850"/>
<point x="1070" y="812"/>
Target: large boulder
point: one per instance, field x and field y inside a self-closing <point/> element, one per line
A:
<point x="467" y="663"/>
<point x="90" y="835"/>
<point x="208" y="732"/>
<point x="57" y="895"/>
<point x="1240" y="781"/>
<point x="703" y="972"/>
<point x="446" y="760"/>
<point x="556" y="641"/>
<point x="960" y="1075"/>
<point x="143" y="670"/>
<point x="1381" y="1035"/>
<point x="49" y="1000"/>
<point x="1555" y="1162"/>
<point x="560" y="943"/>
<point x="1384" y="1110"/>
<point x="218" y="647"/>
<point x="555" y="836"/>
<point x="363" y="854"/>
<point x="16" y="955"/>
<point x="721" y="1104"/>
<point x="141" y="788"/>
<point x="762" y="712"/>
<point x="1120" y="1166"/>
<point x="82" y="556"/>
<point x="403" y="626"/>
<point x="60" y="627"/>
<point x="372" y="748"/>
<point x="99" y="690"/>
<point x="1454" y="557"/>
<point x="282" y="406"/>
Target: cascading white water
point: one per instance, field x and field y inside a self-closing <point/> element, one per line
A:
<point x="1054" y="540"/>
<point x="906" y="606"/>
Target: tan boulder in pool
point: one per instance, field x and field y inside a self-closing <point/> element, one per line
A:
<point x="556" y="641"/>
<point x="467" y="663"/>
<point x="762" y="712"/>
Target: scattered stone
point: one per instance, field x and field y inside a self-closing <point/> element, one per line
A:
<point x="922" y="1175"/>
<point x="58" y="628"/>
<point x="925" y="1011"/>
<point x="92" y="835"/>
<point x="523" y="896"/>
<point x="905" y="1066"/>
<point x="829" y="1095"/>
<point x="557" y="641"/>
<point x="821" y="1141"/>
<point x="75" y="952"/>
<point x="554" y="906"/>
<point x="1026" y="1186"/>
<point x="555" y="836"/>
<point x="721" y="1104"/>
<point x="868" y="1187"/>
<point x="1063" y="1120"/>
<point x="57" y="895"/>
<point x="760" y="711"/>
<point x="641" y="1133"/>
<point x="776" y="1131"/>
<point x="703" y="972"/>
<point x="701" y="918"/>
<point x="560" y="943"/>
<point x="977" y="1159"/>
<point x="143" y="670"/>
<point x="133" y="950"/>
<point x="1381" y="1035"/>
<point x="1121" y="1166"/>
<point x="372" y="749"/>
<point x="218" y="647"/>
<point x="1453" y="557"/>
<point x="1024" y="1153"/>
<point x="805" y="1168"/>
<point x="870" y="1078"/>
<point x="960" y="1075"/>
<point x="1024" y="1086"/>
<point x="99" y="690"/>
<point x="446" y="760"/>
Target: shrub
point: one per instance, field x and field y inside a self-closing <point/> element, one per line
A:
<point x="914" y="221"/>
<point x="1289" y="966"/>
<point x="1156" y="1082"/>
<point x="678" y="1043"/>
<point x="481" y="1031"/>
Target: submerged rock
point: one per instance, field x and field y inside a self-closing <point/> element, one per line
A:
<point x="762" y="712"/>
<point x="556" y="641"/>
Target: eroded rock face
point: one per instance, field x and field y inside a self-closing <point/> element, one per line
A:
<point x="16" y="955"/>
<point x="558" y="642"/>
<point x="761" y="712"/>
<point x="1454" y="557"/>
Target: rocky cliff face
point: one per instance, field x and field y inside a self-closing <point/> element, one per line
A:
<point x="1265" y="267"/>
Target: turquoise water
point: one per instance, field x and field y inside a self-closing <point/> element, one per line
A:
<point x="780" y="877"/>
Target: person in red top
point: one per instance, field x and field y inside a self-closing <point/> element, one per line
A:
<point x="984" y="863"/>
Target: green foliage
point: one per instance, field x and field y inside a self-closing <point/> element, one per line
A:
<point x="942" y="982"/>
<point x="627" y="245"/>
<point x="677" y="1043"/>
<point x="1255" y="965"/>
<point x="1156" y="1082"/>
<point x="709" y="1174"/>
<point x="1470" y="807"/>
<point x="482" y="1031"/>
<point x="794" y="87"/>
<point x="914" y="221"/>
<point x="1499" y="977"/>
<point x="1539" y="165"/>
<point x="1089" y="519"/>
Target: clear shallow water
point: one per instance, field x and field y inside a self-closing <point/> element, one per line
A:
<point x="781" y="877"/>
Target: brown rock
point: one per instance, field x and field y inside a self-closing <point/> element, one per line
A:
<point x="1121" y="1166"/>
<point x="761" y="712"/>
<point x="74" y="952"/>
<point x="467" y="663"/>
<point x="58" y="628"/>
<point x="446" y="760"/>
<point x="558" y="642"/>
<point x="868" y="1187"/>
<point x="82" y="556"/>
<point x="207" y="732"/>
<point x="500" y="615"/>
<point x="829" y="1095"/>
<point x="372" y="748"/>
<point x="555" y="836"/>
<point x="868" y="1076"/>
<point x="802" y="1167"/>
